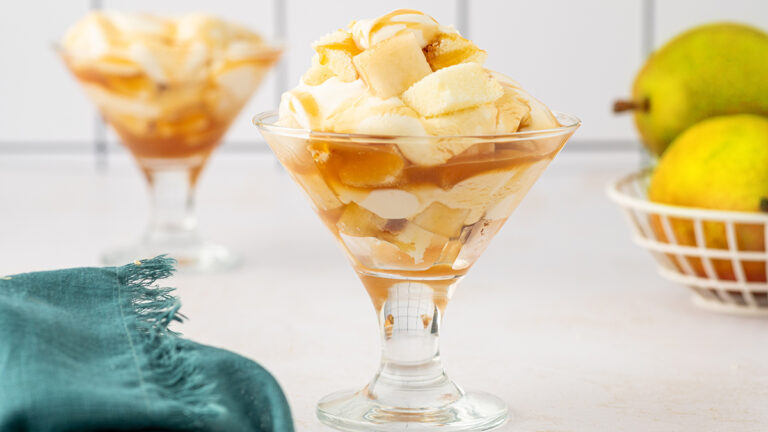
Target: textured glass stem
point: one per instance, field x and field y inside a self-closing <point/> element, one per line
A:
<point x="172" y="195"/>
<point x="411" y="370"/>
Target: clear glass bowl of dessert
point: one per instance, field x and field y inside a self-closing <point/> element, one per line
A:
<point x="170" y="88"/>
<point x="413" y="155"/>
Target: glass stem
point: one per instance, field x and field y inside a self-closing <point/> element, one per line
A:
<point x="172" y="194"/>
<point x="411" y="372"/>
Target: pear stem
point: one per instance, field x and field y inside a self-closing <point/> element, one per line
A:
<point x="623" y="105"/>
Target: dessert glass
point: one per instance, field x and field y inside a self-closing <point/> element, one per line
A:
<point x="171" y="128"/>
<point x="411" y="233"/>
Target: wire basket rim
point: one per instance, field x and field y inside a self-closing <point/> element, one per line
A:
<point x="615" y="192"/>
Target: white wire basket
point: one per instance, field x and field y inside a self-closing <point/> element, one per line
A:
<point x="720" y="255"/>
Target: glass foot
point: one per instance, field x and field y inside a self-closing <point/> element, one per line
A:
<point x="357" y="411"/>
<point x="195" y="257"/>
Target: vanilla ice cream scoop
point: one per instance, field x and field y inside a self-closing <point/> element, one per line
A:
<point x="405" y="74"/>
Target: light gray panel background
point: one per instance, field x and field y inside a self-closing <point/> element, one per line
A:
<point x="575" y="56"/>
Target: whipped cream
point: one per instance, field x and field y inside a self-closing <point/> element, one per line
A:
<point x="369" y="32"/>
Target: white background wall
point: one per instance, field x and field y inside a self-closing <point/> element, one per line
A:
<point x="577" y="56"/>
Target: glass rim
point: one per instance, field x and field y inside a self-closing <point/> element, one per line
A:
<point x="266" y="122"/>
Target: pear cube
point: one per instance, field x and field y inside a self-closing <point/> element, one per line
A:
<point x="359" y="222"/>
<point x="369" y="167"/>
<point x="335" y="51"/>
<point x="392" y="65"/>
<point x="421" y="245"/>
<point x="451" y="49"/>
<point x="441" y="219"/>
<point x="317" y="74"/>
<point x="318" y="191"/>
<point x="452" y="89"/>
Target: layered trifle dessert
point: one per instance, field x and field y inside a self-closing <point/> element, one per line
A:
<point x="169" y="86"/>
<point x="428" y="204"/>
<point x="414" y="155"/>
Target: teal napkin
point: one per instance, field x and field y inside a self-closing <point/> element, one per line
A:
<point x="89" y="349"/>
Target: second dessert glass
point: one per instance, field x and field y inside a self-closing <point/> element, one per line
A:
<point x="411" y="233"/>
<point x="171" y="127"/>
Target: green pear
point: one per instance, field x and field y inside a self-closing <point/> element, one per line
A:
<point x="722" y="164"/>
<point x="711" y="70"/>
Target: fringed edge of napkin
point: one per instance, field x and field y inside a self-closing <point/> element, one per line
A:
<point x="171" y="369"/>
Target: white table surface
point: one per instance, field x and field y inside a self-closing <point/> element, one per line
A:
<point x="563" y="317"/>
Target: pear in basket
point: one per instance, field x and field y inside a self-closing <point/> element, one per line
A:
<point x="718" y="164"/>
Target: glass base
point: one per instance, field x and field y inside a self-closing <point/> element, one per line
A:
<point x="357" y="411"/>
<point x="194" y="257"/>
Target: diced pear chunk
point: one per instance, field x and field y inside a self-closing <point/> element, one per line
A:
<point x="421" y="245"/>
<point x="450" y="251"/>
<point x="317" y="73"/>
<point x="441" y="219"/>
<point x="452" y="89"/>
<point x="335" y="51"/>
<point x="379" y="165"/>
<point x="392" y="65"/>
<point x="413" y="248"/>
<point x="359" y="222"/>
<point x="373" y="165"/>
<point x="474" y="215"/>
<point x="319" y="192"/>
<point x="339" y="39"/>
<point x="451" y="49"/>
<point x="340" y="62"/>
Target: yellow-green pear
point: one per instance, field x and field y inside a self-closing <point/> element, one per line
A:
<point x="711" y="70"/>
<point x="721" y="164"/>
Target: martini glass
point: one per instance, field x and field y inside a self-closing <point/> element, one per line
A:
<point x="411" y="233"/>
<point x="171" y="128"/>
